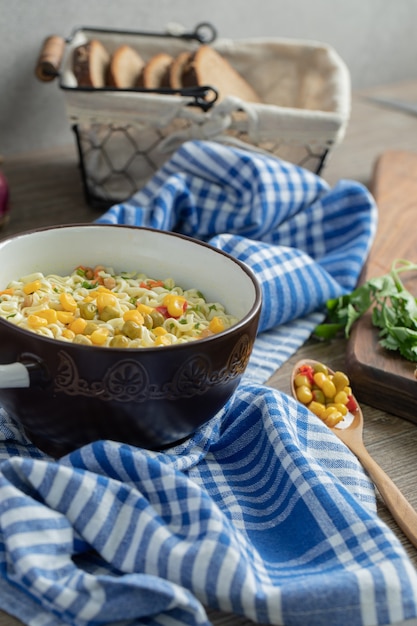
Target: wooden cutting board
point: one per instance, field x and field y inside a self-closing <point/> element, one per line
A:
<point x="381" y="378"/>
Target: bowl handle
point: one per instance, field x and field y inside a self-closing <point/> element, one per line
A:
<point x="28" y="371"/>
<point x="14" y="375"/>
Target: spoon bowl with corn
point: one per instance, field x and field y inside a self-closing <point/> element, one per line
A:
<point x="329" y="396"/>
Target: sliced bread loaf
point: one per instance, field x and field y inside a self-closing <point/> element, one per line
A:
<point x="207" y="67"/>
<point x="155" y="74"/>
<point x="90" y="64"/>
<point x="176" y="69"/>
<point x="125" y="68"/>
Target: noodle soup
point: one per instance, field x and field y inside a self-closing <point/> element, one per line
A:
<point x="100" y="307"/>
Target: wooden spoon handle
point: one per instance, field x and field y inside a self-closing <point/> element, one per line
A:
<point x="401" y="509"/>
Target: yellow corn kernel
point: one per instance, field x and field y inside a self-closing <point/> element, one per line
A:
<point x="159" y="331"/>
<point x="65" y="317"/>
<point x="144" y="308"/>
<point x="329" y="389"/>
<point x="49" y="314"/>
<point x="163" y="340"/>
<point x="342" y="408"/>
<point x="317" y="408"/>
<point x="106" y="298"/>
<point x="216" y="325"/>
<point x="341" y="398"/>
<point x="78" y="325"/>
<point x="102" y="289"/>
<point x="67" y="301"/>
<point x="68" y="334"/>
<point x="36" y="321"/>
<point x="304" y="394"/>
<point x="319" y="378"/>
<point x="31" y="287"/>
<point x="300" y="380"/>
<point x="133" y="315"/>
<point x="174" y="304"/>
<point x="330" y="409"/>
<point x="333" y="419"/>
<point x="99" y="336"/>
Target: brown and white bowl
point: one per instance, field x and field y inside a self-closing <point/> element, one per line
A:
<point x="66" y="395"/>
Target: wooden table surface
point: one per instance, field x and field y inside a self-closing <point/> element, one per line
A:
<point x="46" y="189"/>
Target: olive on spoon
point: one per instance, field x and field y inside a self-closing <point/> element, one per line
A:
<point x="349" y="429"/>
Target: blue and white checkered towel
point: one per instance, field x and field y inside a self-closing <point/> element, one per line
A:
<point x="306" y="243"/>
<point x="263" y="513"/>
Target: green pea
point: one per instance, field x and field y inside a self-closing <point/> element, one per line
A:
<point x="90" y="328"/>
<point x="148" y="321"/>
<point x="132" y="330"/>
<point x="340" y="380"/>
<point x="157" y="318"/>
<point x="119" y="341"/>
<point x="319" y="396"/>
<point x="88" y="310"/>
<point x="109" y="313"/>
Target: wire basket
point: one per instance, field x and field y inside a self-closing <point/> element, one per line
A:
<point x="124" y="135"/>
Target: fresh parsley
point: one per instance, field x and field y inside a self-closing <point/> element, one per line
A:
<point x="394" y="311"/>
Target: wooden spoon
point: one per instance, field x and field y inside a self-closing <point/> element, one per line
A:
<point x="350" y="431"/>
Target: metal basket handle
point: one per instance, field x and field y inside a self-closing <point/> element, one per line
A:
<point x="52" y="50"/>
<point x="203" y="32"/>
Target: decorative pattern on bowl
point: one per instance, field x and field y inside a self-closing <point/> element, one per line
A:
<point x="129" y="381"/>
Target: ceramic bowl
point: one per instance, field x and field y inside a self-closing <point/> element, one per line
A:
<point x="66" y="395"/>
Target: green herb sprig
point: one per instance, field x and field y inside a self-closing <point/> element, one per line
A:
<point x="394" y="311"/>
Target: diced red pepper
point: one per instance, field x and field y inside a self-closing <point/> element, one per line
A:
<point x="307" y="370"/>
<point x="163" y="310"/>
<point x="351" y="404"/>
<point x="150" y="284"/>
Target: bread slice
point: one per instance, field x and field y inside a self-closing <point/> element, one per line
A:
<point x="207" y="67"/>
<point x="176" y="69"/>
<point x="125" y="68"/>
<point x="155" y="74"/>
<point x="90" y="63"/>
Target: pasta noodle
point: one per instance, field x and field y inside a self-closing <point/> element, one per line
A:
<point x="96" y="306"/>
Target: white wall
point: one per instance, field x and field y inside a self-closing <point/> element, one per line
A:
<point x="376" y="38"/>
